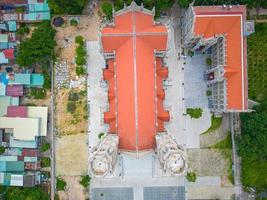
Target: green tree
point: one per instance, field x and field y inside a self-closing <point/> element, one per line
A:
<point x="79" y="40"/>
<point x="35" y="193"/>
<point x="45" y="147"/>
<point x="253" y="142"/>
<point x="107" y="9"/>
<point x="61" y="184"/>
<point x="85" y="182"/>
<point x="67" y="6"/>
<point x="39" y="48"/>
<point x="45" y="162"/>
<point x="2" y="149"/>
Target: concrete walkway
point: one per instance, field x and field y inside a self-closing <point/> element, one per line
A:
<point x="97" y="93"/>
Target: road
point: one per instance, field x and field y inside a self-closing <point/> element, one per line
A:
<point x="52" y="133"/>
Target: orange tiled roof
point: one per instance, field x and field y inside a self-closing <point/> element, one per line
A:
<point x="134" y="39"/>
<point x="212" y="20"/>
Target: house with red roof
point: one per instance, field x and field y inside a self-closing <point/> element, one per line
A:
<point x="220" y="32"/>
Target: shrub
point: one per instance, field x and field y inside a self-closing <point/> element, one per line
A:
<point x="61" y="184"/>
<point x="208" y="93"/>
<point x="71" y="107"/>
<point x="2" y="149"/>
<point x="100" y="135"/>
<point x="45" y="147"/>
<point x="85" y="182"/>
<point x="107" y="9"/>
<point x="73" y="22"/>
<point x="20" y="9"/>
<point x="191" y="176"/>
<point x="47" y="81"/>
<point x="80" y="60"/>
<point x="208" y="61"/>
<point x="38" y="93"/>
<point x="79" y="40"/>
<point x="80" y="51"/>
<point x="23" y="30"/>
<point x="190" y="53"/>
<point x="194" y="112"/>
<point x="73" y="96"/>
<point x="45" y="162"/>
<point x="80" y="70"/>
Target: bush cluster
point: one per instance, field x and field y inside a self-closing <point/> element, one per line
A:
<point x="80" y="56"/>
<point x="194" y="112"/>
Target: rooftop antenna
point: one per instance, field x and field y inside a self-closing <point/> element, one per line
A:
<point x="224" y="6"/>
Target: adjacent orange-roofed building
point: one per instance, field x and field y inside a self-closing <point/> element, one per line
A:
<point x="220" y="32"/>
<point x="133" y="48"/>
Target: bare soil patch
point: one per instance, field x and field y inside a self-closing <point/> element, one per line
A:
<point x="74" y="190"/>
<point x="72" y="155"/>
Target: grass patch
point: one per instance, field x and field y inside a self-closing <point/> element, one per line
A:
<point x="254" y="173"/>
<point x="194" y="112"/>
<point x="224" y="144"/>
<point x="257" y="63"/>
<point x="228" y="155"/>
<point x="215" y="124"/>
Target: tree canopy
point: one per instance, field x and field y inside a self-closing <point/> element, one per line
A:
<point x="249" y="3"/>
<point x="36" y="193"/>
<point x="253" y="142"/>
<point x="39" y="48"/>
<point x="107" y="9"/>
<point x="67" y="6"/>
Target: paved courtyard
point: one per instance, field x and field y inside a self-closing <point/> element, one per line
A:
<point x="195" y="97"/>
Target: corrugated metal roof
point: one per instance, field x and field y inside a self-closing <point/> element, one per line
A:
<point x="14" y="166"/>
<point x="38" y="7"/>
<point x="16" y="180"/>
<point x="37" y="16"/>
<point x="12" y="25"/>
<point x="23" y="128"/>
<point x="3" y="26"/>
<point x="3" y="59"/>
<point x="20" y="79"/>
<point x="2" y="89"/>
<point x="2" y="178"/>
<point x="30" y="159"/>
<point x="23" y="144"/>
<point x="37" y="80"/>
<point x="3" y="38"/>
<point x="5" y="101"/>
<point x="17" y="111"/>
<point x="14" y="90"/>
<point x="41" y="113"/>
<point x="8" y="158"/>
<point x="3" y="45"/>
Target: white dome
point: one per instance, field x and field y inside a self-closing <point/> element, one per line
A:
<point x="176" y="163"/>
<point x="100" y="166"/>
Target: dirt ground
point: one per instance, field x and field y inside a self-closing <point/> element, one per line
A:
<point x="72" y="155"/>
<point x="74" y="190"/>
<point x="68" y="123"/>
<point x="65" y="37"/>
<point x="38" y="102"/>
